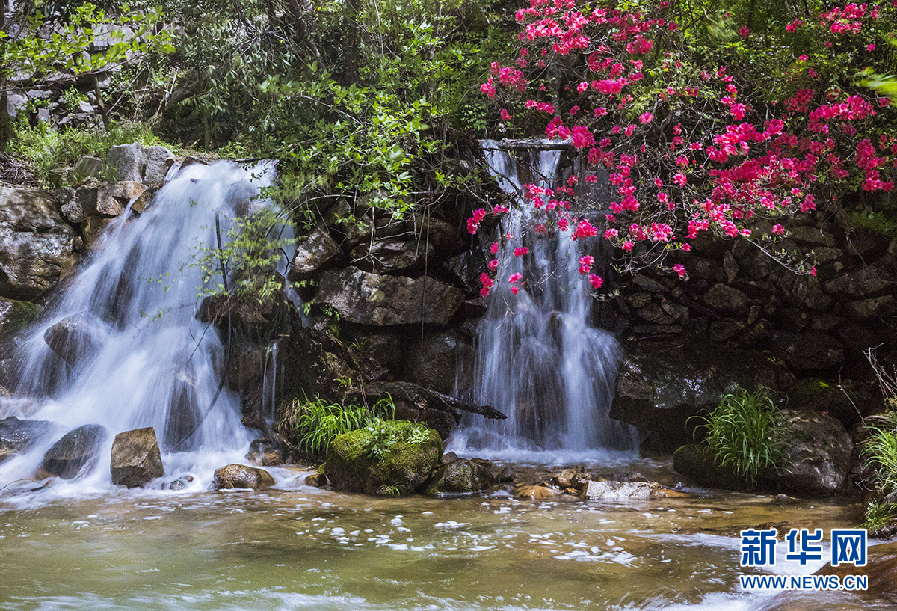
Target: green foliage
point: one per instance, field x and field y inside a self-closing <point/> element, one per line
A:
<point x="45" y="148"/>
<point x="385" y="435"/>
<point x="743" y="433"/>
<point x="319" y="423"/>
<point x="879" y="514"/>
<point x="880" y="451"/>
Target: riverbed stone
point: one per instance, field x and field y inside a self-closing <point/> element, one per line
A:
<point x="36" y="244"/>
<point x="18" y="436"/>
<point x="242" y="476"/>
<point x="536" y="492"/>
<point x="76" y="453"/>
<point x="606" y="490"/>
<point x="136" y="459"/>
<point x="462" y="476"/>
<point x="380" y="300"/>
<point x="74" y="339"/>
<point x="396" y="458"/>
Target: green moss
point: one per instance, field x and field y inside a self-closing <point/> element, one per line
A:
<point x="386" y="457"/>
<point x="16" y="316"/>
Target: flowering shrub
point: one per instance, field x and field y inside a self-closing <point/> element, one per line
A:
<point x="699" y="123"/>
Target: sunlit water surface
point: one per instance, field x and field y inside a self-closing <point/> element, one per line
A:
<point x="297" y="547"/>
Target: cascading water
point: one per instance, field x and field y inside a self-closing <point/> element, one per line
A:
<point x="122" y="346"/>
<point x="540" y="361"/>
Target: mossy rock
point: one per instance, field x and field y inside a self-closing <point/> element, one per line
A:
<point x="391" y="457"/>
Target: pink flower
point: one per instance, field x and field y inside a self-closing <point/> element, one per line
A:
<point x="515" y="277"/>
<point x="493" y="264"/>
<point x="505" y="116"/>
<point x="595" y="280"/>
<point x="686" y="247"/>
<point x="777" y="229"/>
<point x="744" y="32"/>
<point x="646" y="118"/>
<point x="679" y="269"/>
<point x="519" y="252"/>
<point x="515" y="289"/>
<point x="494" y="248"/>
<point x="871" y="47"/>
<point x="585" y="264"/>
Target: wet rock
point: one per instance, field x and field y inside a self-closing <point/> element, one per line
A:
<point x="809" y="351"/>
<point x="313" y="254"/>
<point x="379" y="300"/>
<point x="183" y="418"/>
<point x="462" y="476"/>
<point x="242" y="476"/>
<point x="77" y="453"/>
<point x="886" y="305"/>
<point x="881" y="569"/>
<point x="74" y="339"/>
<point x="437" y="360"/>
<point x="466" y="268"/>
<point x="571" y="478"/>
<point x="628" y="491"/>
<point x="112" y="199"/>
<point x="392" y="255"/>
<point x="536" y="493"/>
<point x="817" y="455"/>
<point x="36" y="244"/>
<point x="15" y="316"/>
<point x="661" y="385"/>
<point x="398" y="457"/>
<point x="265" y="453"/>
<point x="696" y="462"/>
<point x="318" y="480"/>
<point x="136" y="459"/>
<point x="18" y="436"/>
<point x="178" y="484"/>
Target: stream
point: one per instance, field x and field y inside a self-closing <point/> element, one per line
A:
<point x="298" y="547"/>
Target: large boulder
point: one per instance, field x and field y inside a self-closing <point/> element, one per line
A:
<point x="36" y="244"/>
<point x="437" y="359"/>
<point x="17" y="436"/>
<point x="817" y="454"/>
<point x="74" y="339"/>
<point x="241" y="476"/>
<point x="462" y="476"/>
<point x="661" y="386"/>
<point x="379" y="300"/>
<point x="809" y="351"/>
<point x="77" y="453"/>
<point x="134" y="162"/>
<point x="136" y="459"/>
<point x="392" y="255"/>
<point x="393" y="457"/>
<point x="696" y="463"/>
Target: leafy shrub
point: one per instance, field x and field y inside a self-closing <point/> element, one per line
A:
<point x="386" y="435"/>
<point x="879" y="514"/>
<point x="743" y="433"/>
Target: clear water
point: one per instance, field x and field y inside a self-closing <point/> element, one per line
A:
<point x="301" y="548"/>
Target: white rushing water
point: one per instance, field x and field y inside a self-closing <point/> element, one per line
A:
<point x="540" y="359"/>
<point x="138" y="356"/>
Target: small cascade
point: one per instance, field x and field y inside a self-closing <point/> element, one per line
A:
<point x="122" y="347"/>
<point x="540" y="360"/>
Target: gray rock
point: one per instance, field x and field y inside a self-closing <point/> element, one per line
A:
<point x="17" y="436"/>
<point x="885" y="305"/>
<point x="466" y="268"/>
<point x="726" y="299"/>
<point x="136" y="459"/>
<point x="379" y="300"/>
<point x="158" y="161"/>
<point x="817" y="454"/>
<point x="127" y="162"/>
<point x="813" y="236"/>
<point x="14" y="103"/>
<point x="77" y="453"/>
<point x="695" y="462"/>
<point x="392" y="255"/>
<point x="462" y="476"/>
<point x="36" y="244"/>
<point x="626" y="491"/>
<point x="313" y="254"/>
<point x="112" y="199"/>
<point x="241" y="476"/>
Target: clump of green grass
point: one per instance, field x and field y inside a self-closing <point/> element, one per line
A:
<point x="880" y="451"/>
<point x="744" y="433"/>
<point x="318" y="422"/>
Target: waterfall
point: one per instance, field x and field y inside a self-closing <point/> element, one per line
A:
<point x="127" y="350"/>
<point x="540" y="360"/>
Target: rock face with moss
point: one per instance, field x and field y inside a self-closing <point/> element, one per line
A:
<point x="390" y="457"/>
